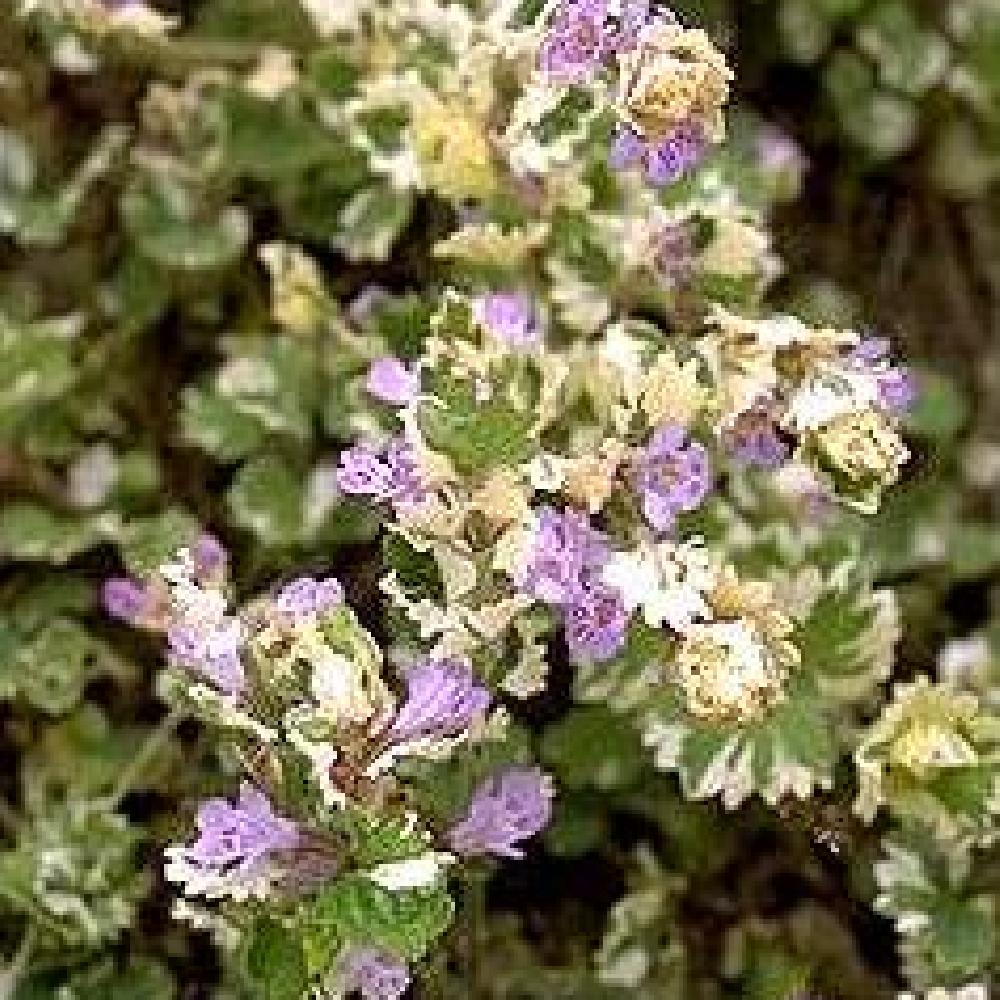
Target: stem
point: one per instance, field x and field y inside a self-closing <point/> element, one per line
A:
<point x="148" y="752"/>
<point x="10" y="977"/>
<point x="476" y="904"/>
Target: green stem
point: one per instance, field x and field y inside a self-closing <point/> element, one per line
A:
<point x="11" y="976"/>
<point x="148" y="752"/>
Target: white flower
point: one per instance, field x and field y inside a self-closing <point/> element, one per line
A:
<point x="546" y="473"/>
<point x="667" y="582"/>
<point x="337" y="682"/>
<point x="321" y="756"/>
<point x="331" y="16"/>
<point x="413" y="873"/>
<point x="212" y="882"/>
<point x="92" y="476"/>
<point x="833" y="391"/>
<point x="962" y="660"/>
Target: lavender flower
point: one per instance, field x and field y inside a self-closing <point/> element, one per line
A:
<point x="209" y="557"/>
<point x="389" y="475"/>
<point x="777" y="151"/>
<point x="753" y="439"/>
<point x="674" y="254"/>
<point x="596" y="622"/>
<point x="564" y="553"/>
<point x="636" y="15"/>
<point x="897" y="389"/>
<point x="507" y="808"/>
<point x="239" y="838"/>
<point x="125" y="599"/>
<point x="363" y="471"/>
<point x="577" y="42"/>
<point x="509" y="317"/>
<point x="674" y="476"/>
<point x="664" y="161"/>
<point x="213" y="651"/>
<point x="375" y="975"/>
<point x="443" y="698"/>
<point x="391" y="381"/>
<point x="306" y="597"/>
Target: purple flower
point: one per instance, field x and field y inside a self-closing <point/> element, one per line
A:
<point x="577" y="42"/>
<point x="508" y="316"/>
<point x="753" y="439"/>
<point x="777" y="151"/>
<point x="363" y="471"/>
<point x="239" y="838"/>
<point x="210" y="557"/>
<point x="664" y="161"/>
<point x="897" y="388"/>
<point x="212" y="651"/>
<point x="391" y="381"/>
<point x="565" y="552"/>
<point x="375" y="975"/>
<point x="674" y="254"/>
<point x="125" y="599"/>
<point x="443" y="698"/>
<point x="390" y="474"/>
<point x="306" y="597"/>
<point x="674" y="476"/>
<point x="508" y="807"/>
<point x="596" y="621"/>
<point x="636" y="15"/>
<point x="870" y="351"/>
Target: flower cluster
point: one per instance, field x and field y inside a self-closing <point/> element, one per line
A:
<point x="669" y="82"/>
<point x="296" y="685"/>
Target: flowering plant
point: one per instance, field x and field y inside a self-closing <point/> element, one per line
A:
<point x="469" y="305"/>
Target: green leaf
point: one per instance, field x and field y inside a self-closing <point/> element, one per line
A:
<point x="356" y="911"/>
<point x="269" y="140"/>
<point x="476" y="436"/>
<point x="266" y="499"/>
<point x="36" y="367"/>
<point x="147" y="543"/>
<point x="275" y="961"/>
<point x="171" y="230"/>
<point x="377" y="841"/>
<point x="218" y="426"/>
<point x="333" y="74"/>
<point x="591" y="748"/>
<point x="50" y="670"/>
<point x="371" y="222"/>
<point x="29" y="531"/>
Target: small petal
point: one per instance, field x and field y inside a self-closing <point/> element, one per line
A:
<point x="375" y="975"/>
<point x="443" y="698"/>
<point x="391" y="381"/>
<point x="125" y="599"/>
<point x="505" y="810"/>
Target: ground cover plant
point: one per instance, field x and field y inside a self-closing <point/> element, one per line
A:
<point x="448" y="549"/>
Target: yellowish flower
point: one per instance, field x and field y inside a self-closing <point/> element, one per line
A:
<point x="671" y="392"/>
<point x="674" y="75"/>
<point x="755" y="601"/>
<point x="275" y="73"/>
<point x="487" y="243"/>
<point x="590" y="480"/>
<point x="502" y="500"/>
<point x="454" y="149"/>
<point x="298" y="298"/>
<point x="864" y="447"/>
<point x="728" y="673"/>
<point x="928" y="730"/>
